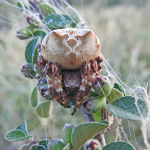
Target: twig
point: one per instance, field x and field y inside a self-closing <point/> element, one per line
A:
<point x="88" y="117"/>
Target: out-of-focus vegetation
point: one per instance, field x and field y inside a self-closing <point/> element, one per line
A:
<point x="123" y="28"/>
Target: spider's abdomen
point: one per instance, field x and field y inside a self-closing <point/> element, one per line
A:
<point x="71" y="81"/>
<point x="70" y="47"/>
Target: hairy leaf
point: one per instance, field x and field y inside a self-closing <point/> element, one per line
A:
<point x="46" y="9"/>
<point x="31" y="50"/>
<point x="42" y="109"/>
<point x="40" y="33"/>
<point x="125" y="108"/>
<point x="56" y="21"/>
<point x="16" y="135"/>
<point x="44" y="143"/>
<point x="34" y="97"/>
<point x="21" y="6"/>
<point x="114" y="95"/>
<point x="40" y="147"/>
<point x="23" y="128"/>
<point x="85" y="131"/>
<point x="119" y="146"/>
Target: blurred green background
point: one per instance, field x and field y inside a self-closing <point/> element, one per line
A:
<point x="123" y="27"/>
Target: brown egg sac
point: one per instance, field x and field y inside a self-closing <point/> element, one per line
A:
<point x="70" y="47"/>
<point x="70" y="59"/>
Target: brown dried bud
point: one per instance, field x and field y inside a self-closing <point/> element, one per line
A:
<point x="92" y="144"/>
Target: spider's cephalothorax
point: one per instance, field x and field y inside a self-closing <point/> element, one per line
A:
<point x="71" y="59"/>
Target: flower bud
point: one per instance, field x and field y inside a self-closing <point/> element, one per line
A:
<point x="102" y="86"/>
<point x="45" y="93"/>
<point x="56" y="145"/>
<point x="24" y="32"/>
<point x="92" y="144"/>
<point x="34" y="20"/>
<point x="25" y="147"/>
<point x="41" y="82"/>
<point x="66" y="133"/>
<point x="27" y="71"/>
<point x="94" y="105"/>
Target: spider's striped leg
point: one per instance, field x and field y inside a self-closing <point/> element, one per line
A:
<point x="54" y="80"/>
<point x="80" y="96"/>
<point x="90" y="69"/>
<point x="57" y="79"/>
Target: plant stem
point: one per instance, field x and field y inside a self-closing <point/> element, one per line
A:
<point x="88" y="117"/>
<point x="100" y="137"/>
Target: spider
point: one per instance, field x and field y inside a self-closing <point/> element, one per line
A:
<point x="70" y="58"/>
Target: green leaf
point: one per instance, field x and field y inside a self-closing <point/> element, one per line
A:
<point x="21" y="6"/>
<point x="67" y="147"/>
<point x="16" y="135"/>
<point x="125" y="108"/>
<point x="34" y="97"/>
<point x="73" y="14"/>
<point x="31" y="51"/>
<point x="113" y="96"/>
<point x="40" y="33"/>
<point x="119" y="87"/>
<point x="97" y="116"/>
<point x="57" y="21"/>
<point x="25" y="147"/>
<point x="56" y="145"/>
<point x="119" y="146"/>
<point x="46" y="9"/>
<point x="105" y="122"/>
<point x="23" y="128"/>
<point x="44" y="143"/>
<point x="42" y="109"/>
<point x="85" y="131"/>
<point x="40" y="147"/>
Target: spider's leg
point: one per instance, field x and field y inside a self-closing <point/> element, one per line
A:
<point x="90" y="69"/>
<point x="82" y="93"/>
<point x="49" y="77"/>
<point x="99" y="60"/>
<point x="54" y="83"/>
<point x="57" y="80"/>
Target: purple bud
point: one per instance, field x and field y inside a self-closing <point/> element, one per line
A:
<point x="94" y="105"/>
<point x="45" y="93"/>
<point x="38" y="68"/>
<point x="24" y="32"/>
<point x="27" y="71"/>
<point x="34" y="20"/>
<point x="102" y="86"/>
<point x="41" y="82"/>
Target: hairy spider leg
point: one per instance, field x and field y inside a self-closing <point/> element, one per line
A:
<point x="89" y="72"/>
<point x="54" y="80"/>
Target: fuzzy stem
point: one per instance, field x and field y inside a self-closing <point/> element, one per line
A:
<point x="100" y="137"/>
